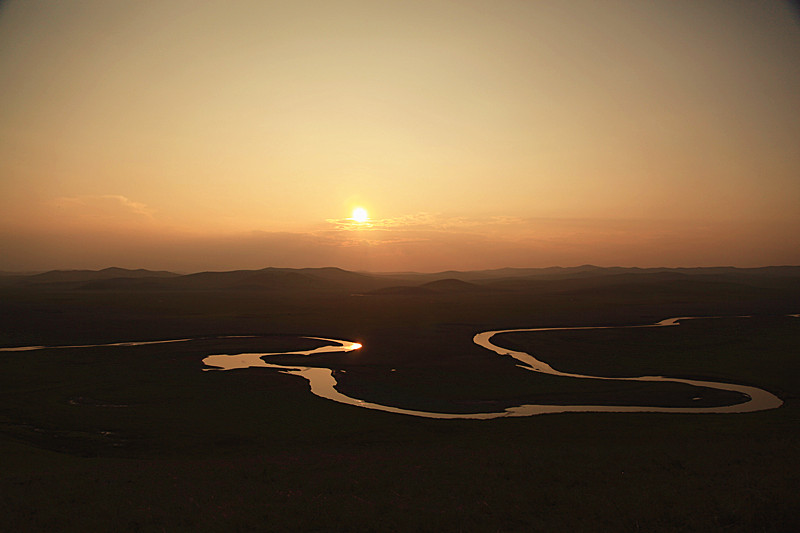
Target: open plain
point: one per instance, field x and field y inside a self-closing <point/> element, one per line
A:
<point x="140" y="438"/>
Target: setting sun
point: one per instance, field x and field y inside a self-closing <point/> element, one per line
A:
<point x="186" y="183"/>
<point x="360" y="214"/>
<point x="524" y="136"/>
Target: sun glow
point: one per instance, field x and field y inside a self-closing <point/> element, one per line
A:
<point x="355" y="346"/>
<point x="360" y="215"/>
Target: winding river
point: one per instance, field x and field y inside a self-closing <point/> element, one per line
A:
<point x="323" y="382"/>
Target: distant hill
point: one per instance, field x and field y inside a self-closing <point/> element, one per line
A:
<point x="586" y="271"/>
<point x="106" y="273"/>
<point x="452" y="285"/>
<point x="338" y="275"/>
<point x="779" y="278"/>
<point x="73" y="278"/>
<point x="267" y="279"/>
<point x="331" y="279"/>
<point x="500" y="273"/>
<point x="281" y="279"/>
<point x="449" y="285"/>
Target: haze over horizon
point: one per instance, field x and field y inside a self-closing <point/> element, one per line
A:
<point x="190" y="136"/>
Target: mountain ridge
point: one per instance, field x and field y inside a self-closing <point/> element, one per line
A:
<point x="338" y="279"/>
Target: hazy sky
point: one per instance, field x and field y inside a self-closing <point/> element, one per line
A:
<point x="220" y="134"/>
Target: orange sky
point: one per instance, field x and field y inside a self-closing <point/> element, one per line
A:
<point x="192" y="135"/>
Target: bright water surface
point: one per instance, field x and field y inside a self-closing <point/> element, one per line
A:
<point x="323" y="383"/>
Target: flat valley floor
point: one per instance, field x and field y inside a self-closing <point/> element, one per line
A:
<point x="140" y="438"/>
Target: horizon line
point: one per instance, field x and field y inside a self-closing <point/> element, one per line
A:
<point x="390" y="272"/>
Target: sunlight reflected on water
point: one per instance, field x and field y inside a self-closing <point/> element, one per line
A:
<point x="323" y="383"/>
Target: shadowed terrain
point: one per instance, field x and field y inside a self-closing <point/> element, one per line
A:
<point x="139" y="437"/>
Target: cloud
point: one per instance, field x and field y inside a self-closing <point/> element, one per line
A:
<point x="422" y="221"/>
<point x="111" y="206"/>
<point x="94" y="213"/>
<point x="423" y="242"/>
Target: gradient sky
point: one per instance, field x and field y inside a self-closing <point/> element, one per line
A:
<point x="223" y="134"/>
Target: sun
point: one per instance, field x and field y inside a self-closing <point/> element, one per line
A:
<point x="360" y="215"/>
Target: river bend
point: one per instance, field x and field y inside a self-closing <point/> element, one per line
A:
<point x="323" y="383"/>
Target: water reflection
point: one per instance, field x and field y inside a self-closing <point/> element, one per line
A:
<point x="248" y="360"/>
<point x="136" y="343"/>
<point x="323" y="383"/>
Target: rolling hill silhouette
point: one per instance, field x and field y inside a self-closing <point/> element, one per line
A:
<point x="332" y="279"/>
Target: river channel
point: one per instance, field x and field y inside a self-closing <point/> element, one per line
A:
<point x="323" y="382"/>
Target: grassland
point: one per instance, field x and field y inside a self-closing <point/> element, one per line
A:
<point x="139" y="438"/>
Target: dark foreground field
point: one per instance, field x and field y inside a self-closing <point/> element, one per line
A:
<point x="140" y="438"/>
